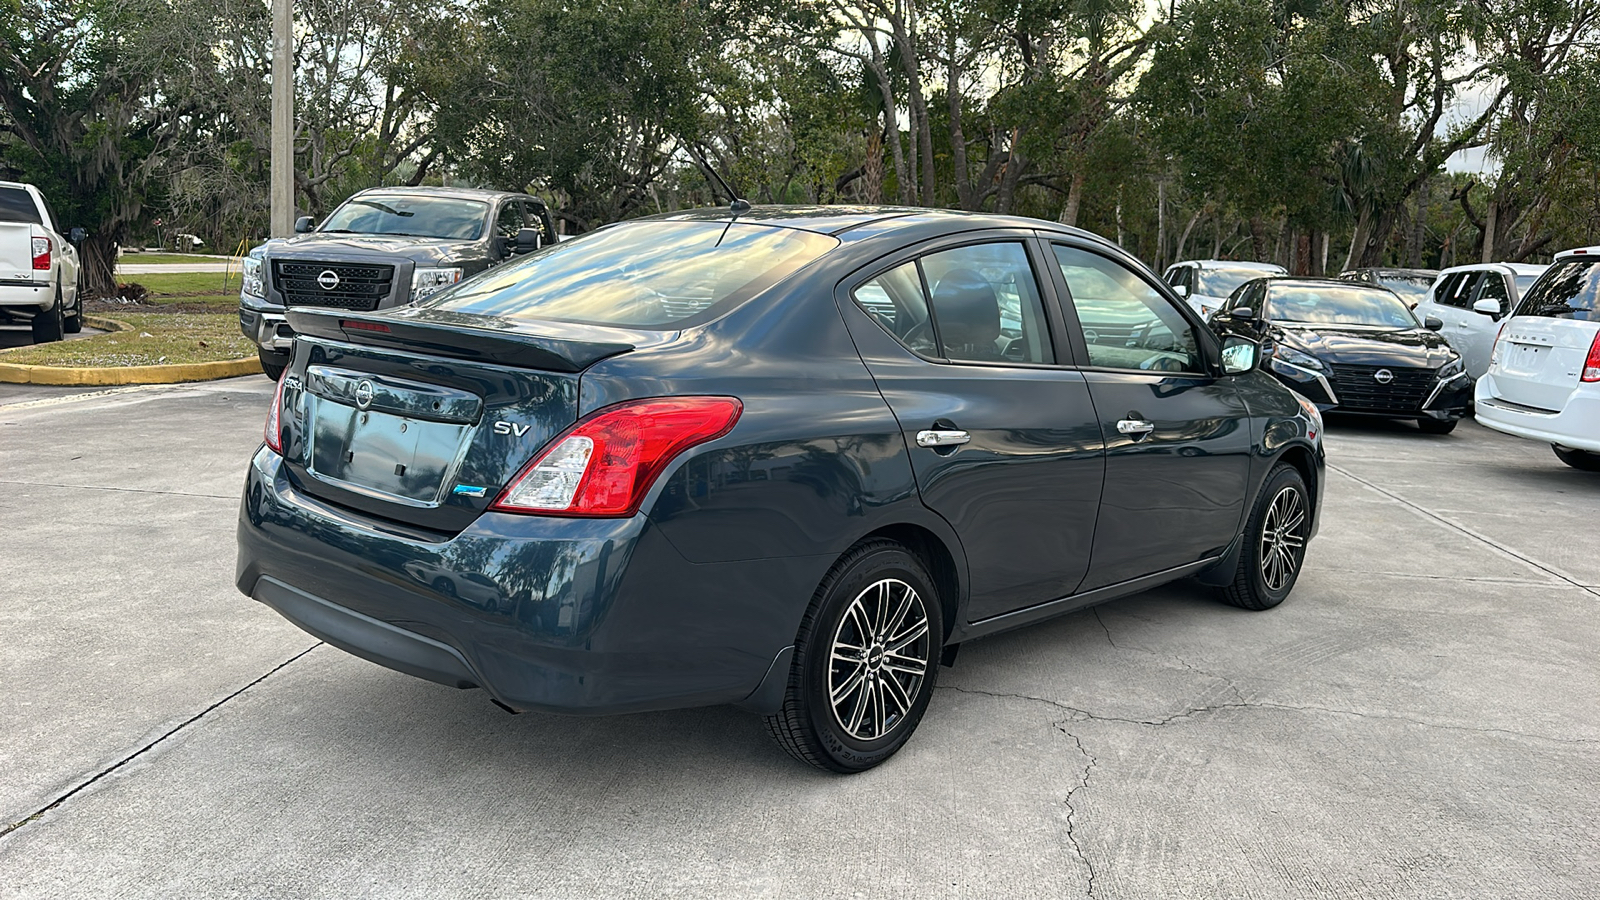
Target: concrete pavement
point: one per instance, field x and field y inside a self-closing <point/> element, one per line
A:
<point x="1418" y="720"/>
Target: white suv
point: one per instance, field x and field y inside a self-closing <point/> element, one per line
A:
<point x="38" y="265"/>
<point x="1205" y="284"/>
<point x="1471" y="301"/>
<point x="1543" y="381"/>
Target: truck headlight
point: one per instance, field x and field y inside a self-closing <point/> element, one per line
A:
<point x="254" y="286"/>
<point x="428" y="281"/>
<point x="1295" y="358"/>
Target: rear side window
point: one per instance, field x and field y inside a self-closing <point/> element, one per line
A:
<point x="641" y="275"/>
<point x="17" y="206"/>
<point x="895" y="299"/>
<point x="1569" y="290"/>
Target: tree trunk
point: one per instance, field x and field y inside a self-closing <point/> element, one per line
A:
<point x="1183" y="239"/>
<point x="958" y="137"/>
<point x="1489" y="217"/>
<point x="98" y="256"/>
<point x="1161" y="225"/>
<point x="1069" y="213"/>
<point x="1419" y="227"/>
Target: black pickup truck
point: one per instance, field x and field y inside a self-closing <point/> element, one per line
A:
<point x="383" y="247"/>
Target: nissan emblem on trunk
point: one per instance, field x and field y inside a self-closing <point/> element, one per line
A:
<point x="328" y="280"/>
<point x="1383" y="376"/>
<point x="363" y="395"/>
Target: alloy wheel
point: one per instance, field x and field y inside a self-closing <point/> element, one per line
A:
<point x="1283" y="538"/>
<point x="879" y="658"/>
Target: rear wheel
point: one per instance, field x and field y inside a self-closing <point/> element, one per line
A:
<point x="865" y="661"/>
<point x="1437" y="426"/>
<point x="1275" y="542"/>
<point x="1578" y="459"/>
<point x="270" y="366"/>
<point x="49" y="324"/>
<point x="74" y="322"/>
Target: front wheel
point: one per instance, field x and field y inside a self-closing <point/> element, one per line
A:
<point x="865" y="662"/>
<point x="1578" y="459"/>
<point x="1275" y="542"/>
<point x="1437" y="426"/>
<point x="270" y="366"/>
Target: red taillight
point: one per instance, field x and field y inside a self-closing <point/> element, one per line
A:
<point x="605" y="464"/>
<point x="274" y="430"/>
<point x="41" y="253"/>
<point x="1494" y="352"/>
<point x="1591" y="366"/>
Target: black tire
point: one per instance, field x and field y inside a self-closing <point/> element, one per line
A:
<point x="873" y="576"/>
<point x="1265" y="576"/>
<point x="74" y="322"/>
<point x="49" y="325"/>
<point x="1437" y="426"/>
<point x="1578" y="459"/>
<point x="270" y="366"/>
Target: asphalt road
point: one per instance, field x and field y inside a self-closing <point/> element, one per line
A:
<point x="1417" y="721"/>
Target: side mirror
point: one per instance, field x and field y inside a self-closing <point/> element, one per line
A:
<point x="77" y="236"/>
<point x="1182" y="290"/>
<point x="527" y="240"/>
<point x="1488" y="307"/>
<point x="304" y="224"/>
<point x="1432" y="323"/>
<point x="1239" y="355"/>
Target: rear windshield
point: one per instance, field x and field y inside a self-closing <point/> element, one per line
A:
<point x="1570" y="289"/>
<point x="17" y="206"/>
<point x="1413" y="289"/>
<point x="1221" y="282"/>
<point x="432" y="217"/>
<point x="1338" y="305"/>
<point x="640" y="275"/>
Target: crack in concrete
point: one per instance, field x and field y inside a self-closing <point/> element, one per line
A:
<point x="103" y="773"/>
<point x="1080" y="715"/>
<point x="1462" y="529"/>
<point x="119" y="490"/>
<point x="1072" y="814"/>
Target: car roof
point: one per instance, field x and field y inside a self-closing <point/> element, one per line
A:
<point x="1513" y="268"/>
<point x="454" y="193"/>
<point x="1230" y="264"/>
<point x="1393" y="270"/>
<point x="851" y="222"/>
<point x="1308" y="281"/>
<point x="1577" y="252"/>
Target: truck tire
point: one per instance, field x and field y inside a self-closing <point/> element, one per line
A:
<point x="49" y="324"/>
<point x="74" y="322"/>
<point x="270" y="365"/>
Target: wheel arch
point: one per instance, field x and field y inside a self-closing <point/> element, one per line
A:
<point x="944" y="564"/>
<point x="1301" y="457"/>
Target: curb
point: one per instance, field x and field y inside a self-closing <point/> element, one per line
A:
<point x="13" y="373"/>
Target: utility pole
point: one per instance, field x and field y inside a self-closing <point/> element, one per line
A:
<point x="282" y="118"/>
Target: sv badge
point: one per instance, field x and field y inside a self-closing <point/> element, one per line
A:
<point x="511" y="428"/>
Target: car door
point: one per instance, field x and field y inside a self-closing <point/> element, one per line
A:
<point x="1177" y="434"/>
<point x="1002" y="435"/>
<point x="1474" y="336"/>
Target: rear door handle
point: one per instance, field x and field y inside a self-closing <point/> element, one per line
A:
<point x="1137" y="427"/>
<point x="942" y="438"/>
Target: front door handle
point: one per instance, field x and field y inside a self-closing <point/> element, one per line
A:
<point x="1139" y="428"/>
<point x="942" y="437"/>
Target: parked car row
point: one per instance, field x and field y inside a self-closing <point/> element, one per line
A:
<point x="39" y="268"/>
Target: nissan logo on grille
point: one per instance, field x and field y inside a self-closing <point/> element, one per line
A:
<point x="1383" y="376"/>
<point x="328" y="280"/>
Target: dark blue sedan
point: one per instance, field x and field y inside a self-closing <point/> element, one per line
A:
<point x="783" y="458"/>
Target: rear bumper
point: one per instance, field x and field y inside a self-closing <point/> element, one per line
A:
<point x="559" y="615"/>
<point x="28" y="297"/>
<point x="1576" y="425"/>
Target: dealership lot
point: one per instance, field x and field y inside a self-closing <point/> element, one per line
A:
<point x="1416" y="721"/>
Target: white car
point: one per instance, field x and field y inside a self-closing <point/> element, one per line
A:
<point x="1543" y="381"/>
<point x="1206" y="283"/>
<point x="1471" y="301"/>
<point x="38" y="266"/>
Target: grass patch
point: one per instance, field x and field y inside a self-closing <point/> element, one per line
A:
<point x="187" y="284"/>
<point x="162" y="259"/>
<point x="155" y="339"/>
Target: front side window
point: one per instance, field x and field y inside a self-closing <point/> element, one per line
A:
<point x="1126" y="324"/>
<point x="447" y="218"/>
<point x="1459" y="292"/>
<point x="509" y="222"/>
<point x="1493" y="287"/>
<point x="639" y="275"/>
<point x="1569" y="290"/>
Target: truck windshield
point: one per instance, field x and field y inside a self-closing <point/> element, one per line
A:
<point x="1338" y="306"/>
<point x="640" y="275"/>
<point x="17" y="206"/>
<point x="449" y="218"/>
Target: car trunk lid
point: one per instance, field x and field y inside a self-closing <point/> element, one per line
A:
<point x="16" y="251"/>
<point x="423" y="421"/>
<point x="1541" y="360"/>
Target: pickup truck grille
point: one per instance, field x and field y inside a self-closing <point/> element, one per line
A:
<point x="1359" y="390"/>
<point x="352" y="286"/>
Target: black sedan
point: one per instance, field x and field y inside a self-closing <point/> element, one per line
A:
<point x="782" y="458"/>
<point x="1352" y="348"/>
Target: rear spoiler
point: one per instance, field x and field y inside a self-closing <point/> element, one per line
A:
<point x="460" y="336"/>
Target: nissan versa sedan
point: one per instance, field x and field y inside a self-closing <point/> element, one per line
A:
<point x="1352" y="348"/>
<point x="783" y="458"/>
